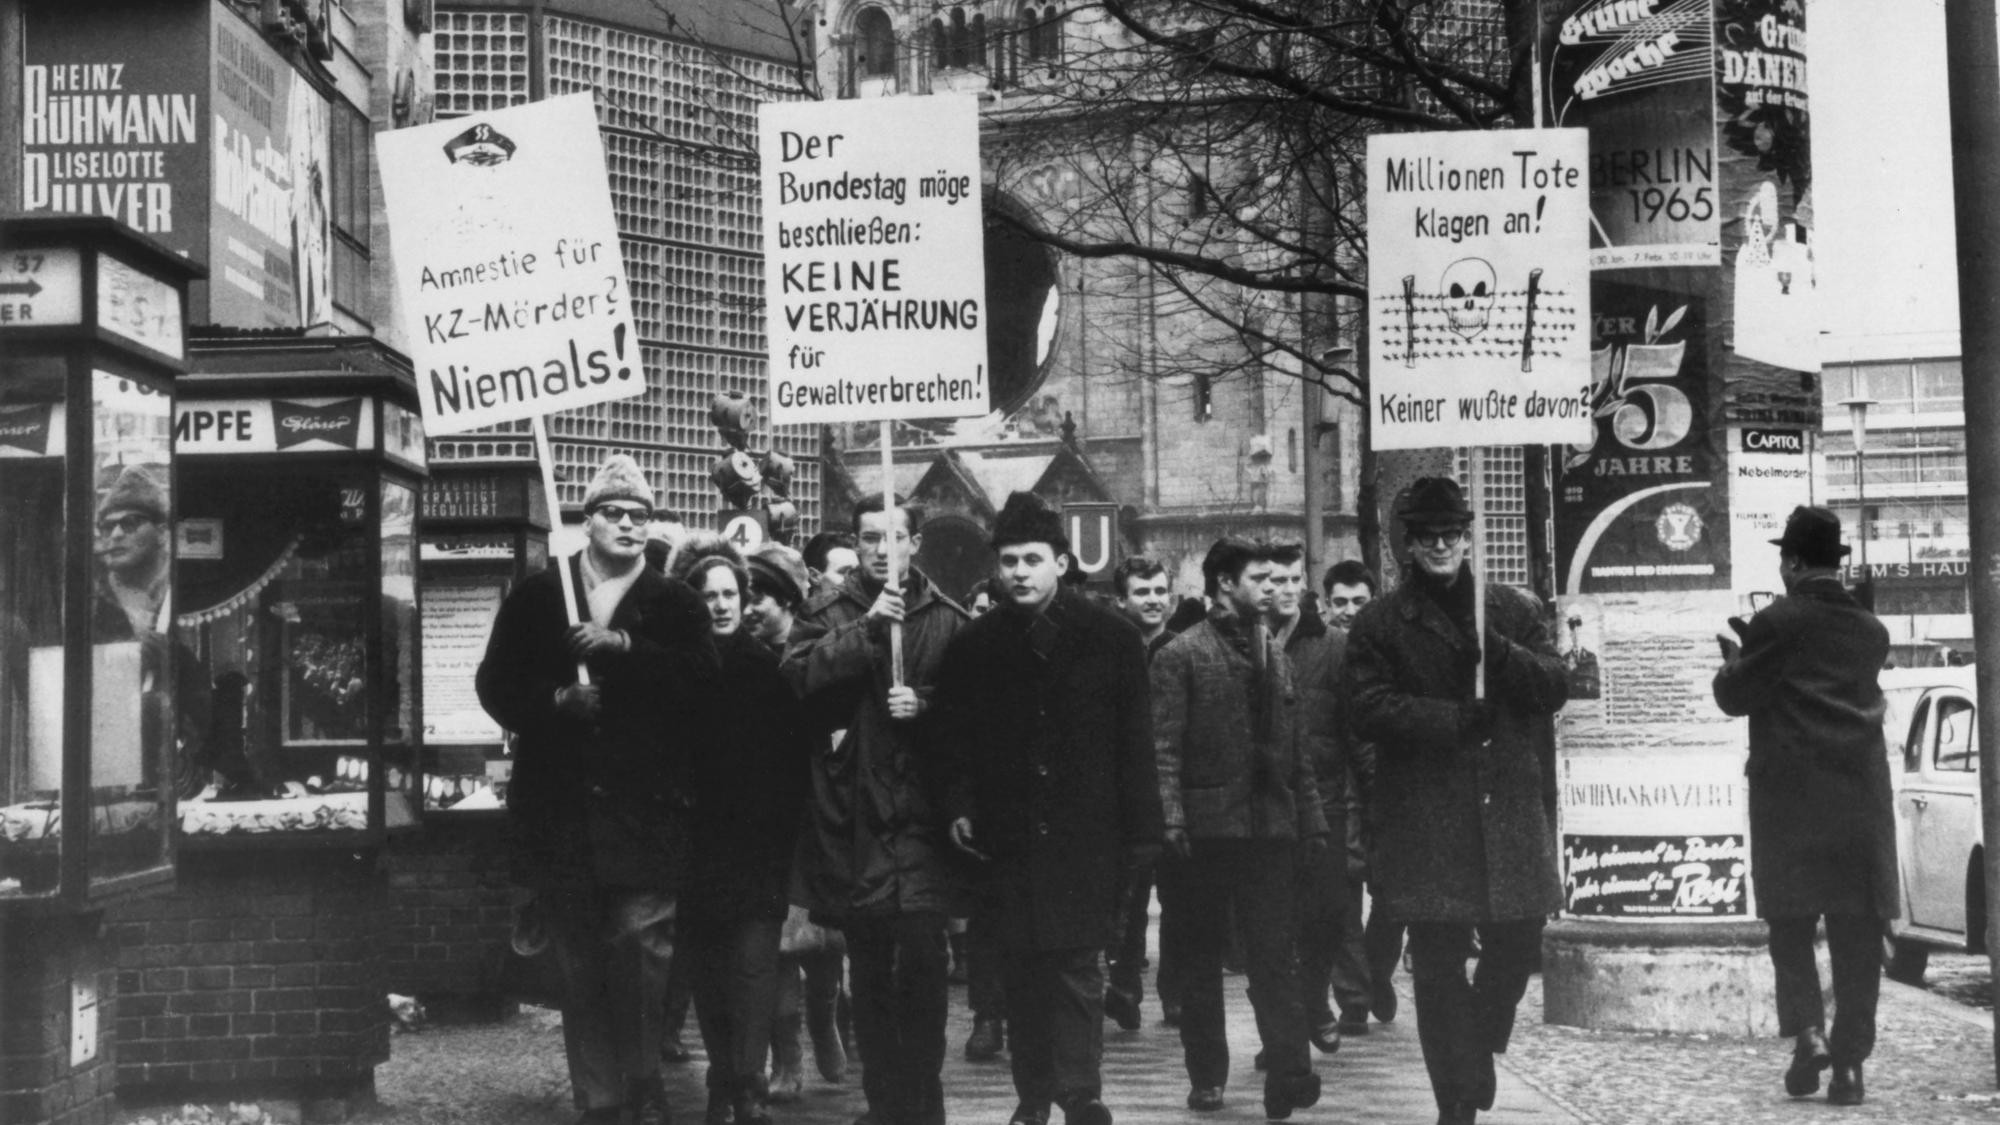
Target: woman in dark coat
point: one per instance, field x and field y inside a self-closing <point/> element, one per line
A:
<point x="749" y="795"/>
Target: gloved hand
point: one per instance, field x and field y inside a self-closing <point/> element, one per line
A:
<point x="1177" y="842"/>
<point x="587" y="639"/>
<point x="1476" y="720"/>
<point x="581" y="702"/>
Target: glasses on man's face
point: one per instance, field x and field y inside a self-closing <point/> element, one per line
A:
<point x="876" y="538"/>
<point x="125" y="524"/>
<point x="1435" y="537"/>
<point x="615" y="514"/>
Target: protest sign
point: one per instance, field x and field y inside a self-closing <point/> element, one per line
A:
<point x="508" y="265"/>
<point x="874" y="271"/>
<point x="1478" y="286"/>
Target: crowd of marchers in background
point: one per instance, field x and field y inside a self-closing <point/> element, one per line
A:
<point x="802" y="791"/>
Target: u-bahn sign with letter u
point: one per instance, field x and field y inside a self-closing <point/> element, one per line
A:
<point x="1093" y="535"/>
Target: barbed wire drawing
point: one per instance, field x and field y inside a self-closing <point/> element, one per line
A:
<point x="1458" y="321"/>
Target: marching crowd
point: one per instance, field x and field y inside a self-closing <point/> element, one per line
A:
<point x="761" y="772"/>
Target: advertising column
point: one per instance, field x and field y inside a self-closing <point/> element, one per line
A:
<point x="1702" y="394"/>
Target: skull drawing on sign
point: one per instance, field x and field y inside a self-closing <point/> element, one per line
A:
<point x="1468" y="292"/>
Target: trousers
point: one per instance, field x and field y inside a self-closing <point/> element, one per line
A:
<point x="1462" y="1023"/>
<point x="1254" y="881"/>
<point x="734" y="968"/>
<point x="1055" y="1024"/>
<point x="613" y="950"/>
<point x="1854" y="943"/>
<point x="1322" y="904"/>
<point x="899" y="972"/>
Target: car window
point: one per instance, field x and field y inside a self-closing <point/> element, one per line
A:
<point x="1955" y="752"/>
<point x="1913" y="743"/>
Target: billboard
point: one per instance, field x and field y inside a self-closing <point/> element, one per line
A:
<point x="1641" y="78"/>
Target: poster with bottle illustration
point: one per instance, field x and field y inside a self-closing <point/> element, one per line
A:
<point x="1642" y="506"/>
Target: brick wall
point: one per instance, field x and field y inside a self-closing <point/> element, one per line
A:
<point x="261" y="974"/>
<point x="39" y="957"/>
<point x="450" y="912"/>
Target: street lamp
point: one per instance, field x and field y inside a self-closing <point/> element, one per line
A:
<point x="1857" y="425"/>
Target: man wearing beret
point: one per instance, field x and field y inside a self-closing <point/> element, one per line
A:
<point x="600" y="793"/>
<point x="1043" y="711"/>
<point x="1464" y="843"/>
<point x="1822" y="823"/>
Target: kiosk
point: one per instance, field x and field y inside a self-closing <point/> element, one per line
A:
<point x="92" y="339"/>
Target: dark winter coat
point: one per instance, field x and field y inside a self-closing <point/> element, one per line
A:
<point x="1217" y="779"/>
<point x="1316" y="653"/>
<point x="1822" y="819"/>
<point x="750" y="786"/>
<point x="875" y="842"/>
<point x="1462" y="830"/>
<point x="1047" y="725"/>
<point x="608" y="805"/>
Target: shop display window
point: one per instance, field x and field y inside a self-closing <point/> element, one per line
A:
<point x="300" y="608"/>
<point x="134" y="657"/>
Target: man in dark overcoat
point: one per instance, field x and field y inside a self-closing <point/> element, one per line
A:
<point x="1042" y="706"/>
<point x="874" y="856"/>
<point x="1239" y="796"/>
<point x="1822" y="822"/>
<point x="1464" y="843"/>
<point x="600" y="793"/>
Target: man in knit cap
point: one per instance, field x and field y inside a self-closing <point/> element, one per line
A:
<point x="1044" y="718"/>
<point x="599" y="796"/>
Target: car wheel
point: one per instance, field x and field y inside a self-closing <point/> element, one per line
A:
<point x="1907" y="961"/>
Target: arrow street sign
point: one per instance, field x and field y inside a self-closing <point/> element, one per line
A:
<point x="40" y="287"/>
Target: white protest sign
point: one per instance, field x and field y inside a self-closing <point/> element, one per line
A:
<point x="874" y="262"/>
<point x="1479" y="288"/>
<point x="507" y="264"/>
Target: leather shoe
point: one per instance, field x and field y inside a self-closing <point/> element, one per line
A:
<point x="1205" y="1099"/>
<point x="1326" y="1038"/>
<point x="1809" y="1057"/>
<point x="1383" y="1004"/>
<point x="1027" y="1114"/>
<point x="1846" y="1087"/>
<point x="1122" y="1008"/>
<point x="1354" y="1024"/>
<point x="988" y="1039"/>
<point x="719" y="1110"/>
<point x="751" y="1108"/>
<point x="1087" y="1111"/>
<point x="1284" y="1093"/>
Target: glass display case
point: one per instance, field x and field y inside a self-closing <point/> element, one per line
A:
<point x="485" y="527"/>
<point x="298" y="603"/>
<point x="92" y="715"/>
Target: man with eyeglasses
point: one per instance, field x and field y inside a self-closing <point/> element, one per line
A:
<point x="600" y="790"/>
<point x="873" y="859"/>
<point x="131" y="543"/>
<point x="1464" y="841"/>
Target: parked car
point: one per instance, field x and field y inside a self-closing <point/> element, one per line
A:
<point x="1932" y="734"/>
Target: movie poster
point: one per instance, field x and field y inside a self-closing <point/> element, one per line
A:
<point x="1642" y="507"/>
<point x="1641" y="78"/>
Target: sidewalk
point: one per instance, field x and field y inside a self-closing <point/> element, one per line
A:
<point x="512" y="1074"/>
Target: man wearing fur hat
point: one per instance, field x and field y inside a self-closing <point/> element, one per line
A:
<point x="1822" y="825"/>
<point x="131" y="543"/>
<point x="1465" y="842"/>
<point x="1241" y="804"/>
<point x="1042" y="709"/>
<point x="599" y="798"/>
<point x="873" y="859"/>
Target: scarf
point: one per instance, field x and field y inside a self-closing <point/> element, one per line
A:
<point x="604" y="591"/>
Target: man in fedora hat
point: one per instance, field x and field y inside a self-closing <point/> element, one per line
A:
<point x="1822" y="825"/>
<point x="1464" y="842"/>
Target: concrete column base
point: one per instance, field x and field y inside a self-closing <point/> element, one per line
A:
<point x="1686" y="977"/>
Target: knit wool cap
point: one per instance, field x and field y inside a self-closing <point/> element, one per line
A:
<point x="783" y="567"/>
<point x="1026" y="519"/>
<point x="619" y="479"/>
<point x="138" y="489"/>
